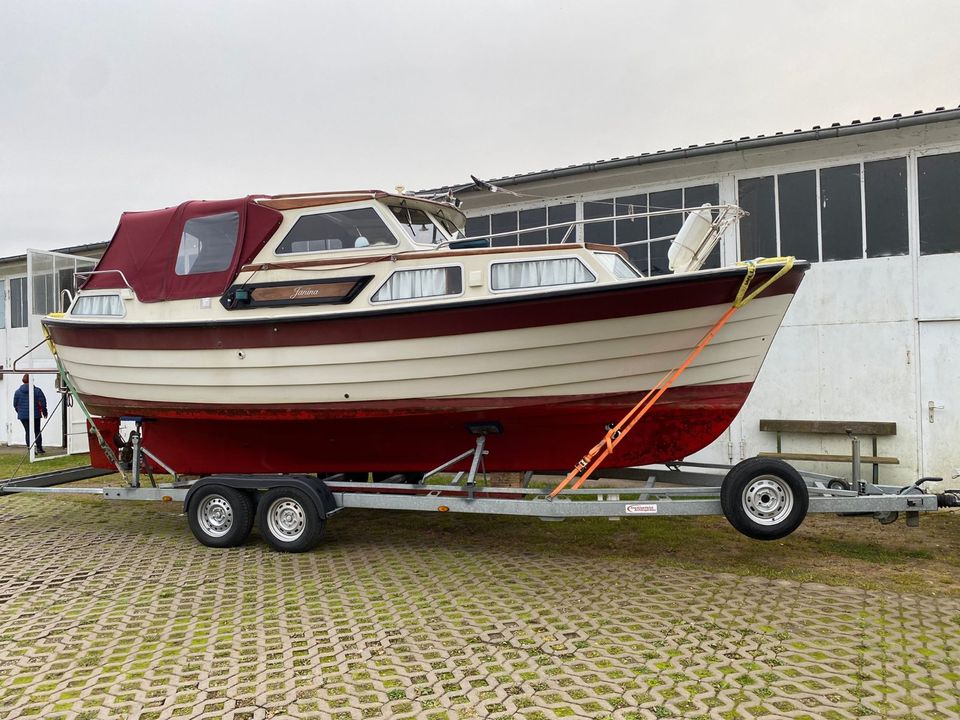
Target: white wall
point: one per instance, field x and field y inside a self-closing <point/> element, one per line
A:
<point x="846" y="351"/>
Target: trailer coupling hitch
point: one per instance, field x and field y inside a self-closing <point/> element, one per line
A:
<point x="948" y="499"/>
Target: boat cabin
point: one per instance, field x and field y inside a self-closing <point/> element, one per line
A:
<point x="320" y="252"/>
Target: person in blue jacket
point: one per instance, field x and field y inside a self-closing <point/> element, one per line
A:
<point x="21" y="403"/>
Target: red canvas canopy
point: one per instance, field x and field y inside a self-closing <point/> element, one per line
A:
<point x="146" y="244"/>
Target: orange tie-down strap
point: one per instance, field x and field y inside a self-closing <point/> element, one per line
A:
<point x="603" y="449"/>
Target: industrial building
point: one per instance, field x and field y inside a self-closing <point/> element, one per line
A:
<point x="873" y="334"/>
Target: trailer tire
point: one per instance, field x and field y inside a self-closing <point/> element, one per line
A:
<point x="289" y="520"/>
<point x="764" y="498"/>
<point x="220" y="516"/>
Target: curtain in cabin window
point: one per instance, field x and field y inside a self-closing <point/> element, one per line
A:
<point x="539" y="273"/>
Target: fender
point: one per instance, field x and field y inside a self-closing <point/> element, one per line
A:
<point x="314" y="488"/>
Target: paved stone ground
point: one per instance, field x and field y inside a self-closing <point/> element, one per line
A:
<point x="112" y="610"/>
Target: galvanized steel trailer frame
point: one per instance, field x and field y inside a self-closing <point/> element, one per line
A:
<point x="640" y="501"/>
<point x="762" y="498"/>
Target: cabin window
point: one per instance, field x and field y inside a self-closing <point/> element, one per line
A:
<point x="341" y="230"/>
<point x="421" y="283"/>
<point x="98" y="305"/>
<point x="419" y="225"/>
<point x="539" y="273"/>
<point x="621" y="269"/>
<point x="939" y="190"/>
<point x="208" y="243"/>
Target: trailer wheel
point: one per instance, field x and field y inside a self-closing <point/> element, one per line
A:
<point x="763" y="498"/>
<point x="220" y="516"/>
<point x="289" y="520"/>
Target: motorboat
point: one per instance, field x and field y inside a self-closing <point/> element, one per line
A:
<point x="360" y="332"/>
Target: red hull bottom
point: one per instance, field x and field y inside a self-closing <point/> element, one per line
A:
<point x="539" y="436"/>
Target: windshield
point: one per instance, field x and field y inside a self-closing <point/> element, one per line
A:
<point x="618" y="266"/>
<point x="419" y="226"/>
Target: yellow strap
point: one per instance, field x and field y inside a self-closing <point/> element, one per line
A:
<point x="752" y="265"/>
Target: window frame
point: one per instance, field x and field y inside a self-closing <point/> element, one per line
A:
<point x="445" y="236"/>
<point x="338" y="209"/>
<point x="913" y="195"/>
<point x="24" y="304"/>
<point x="539" y="288"/>
<point x="76" y="300"/>
<point x="189" y="272"/>
<point x="441" y="266"/>
<point x="860" y="159"/>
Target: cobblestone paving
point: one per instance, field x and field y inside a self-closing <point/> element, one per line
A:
<point x="112" y="610"/>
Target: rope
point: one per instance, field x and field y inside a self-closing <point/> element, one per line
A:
<point x="73" y="392"/>
<point x="615" y="435"/>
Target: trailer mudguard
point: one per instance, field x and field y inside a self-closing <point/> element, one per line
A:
<point x="315" y="488"/>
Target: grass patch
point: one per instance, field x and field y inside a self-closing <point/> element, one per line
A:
<point x="14" y="462"/>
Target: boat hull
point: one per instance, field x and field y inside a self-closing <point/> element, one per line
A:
<point x="394" y="390"/>
<point x="539" y="434"/>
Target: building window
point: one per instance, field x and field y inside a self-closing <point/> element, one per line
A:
<point x="841" y="225"/>
<point x="44" y="294"/>
<point x="539" y="273"/>
<point x="477" y="227"/>
<point x="530" y="219"/>
<point x="885" y="195"/>
<point x="3" y="304"/>
<point x="504" y="222"/>
<point x="758" y="230"/>
<point x="482" y="226"/>
<point x="939" y="191"/>
<point x="633" y="234"/>
<point x="421" y="283"/>
<point x="18" y="302"/>
<point x="784" y="217"/>
<point x="798" y="215"/>
<point x="322" y="232"/>
<point x="559" y="214"/>
<point x="602" y="233"/>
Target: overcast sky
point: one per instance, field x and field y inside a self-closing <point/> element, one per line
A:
<point x="135" y="105"/>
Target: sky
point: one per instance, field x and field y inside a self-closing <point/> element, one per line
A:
<point x="115" y="105"/>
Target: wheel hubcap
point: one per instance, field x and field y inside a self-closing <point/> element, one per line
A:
<point x="215" y="515"/>
<point x="286" y="519"/>
<point x="767" y="500"/>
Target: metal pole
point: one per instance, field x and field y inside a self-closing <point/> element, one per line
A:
<point x="477" y="454"/>
<point x="135" y="444"/>
<point x="856" y="478"/>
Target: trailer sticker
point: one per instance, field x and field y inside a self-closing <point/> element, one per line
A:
<point x="641" y="509"/>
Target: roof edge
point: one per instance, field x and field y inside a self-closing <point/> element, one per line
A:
<point x="797" y="136"/>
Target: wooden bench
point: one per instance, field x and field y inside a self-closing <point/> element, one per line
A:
<point x="872" y="430"/>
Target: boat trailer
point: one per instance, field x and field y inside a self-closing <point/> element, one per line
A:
<point x="764" y="498"/>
